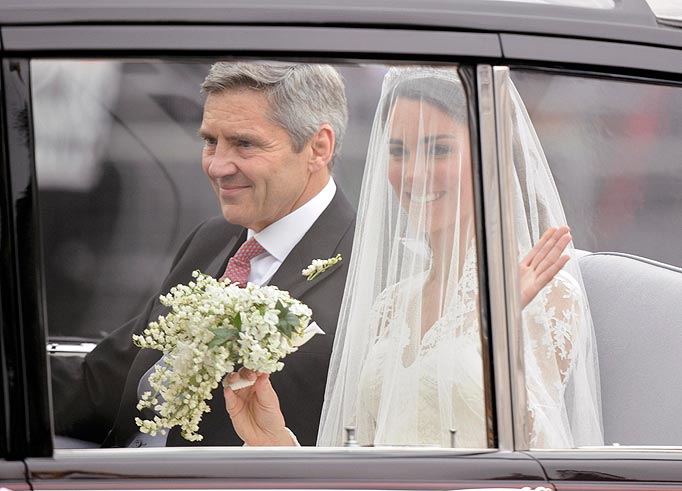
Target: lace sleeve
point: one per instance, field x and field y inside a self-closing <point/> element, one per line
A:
<point x="553" y="328"/>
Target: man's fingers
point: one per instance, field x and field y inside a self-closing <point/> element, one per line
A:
<point x="266" y="395"/>
<point x="242" y="379"/>
<point x="262" y="381"/>
<point x="247" y="374"/>
<point x="232" y="402"/>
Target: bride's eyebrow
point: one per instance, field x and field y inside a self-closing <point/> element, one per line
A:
<point x="395" y="141"/>
<point x="431" y="138"/>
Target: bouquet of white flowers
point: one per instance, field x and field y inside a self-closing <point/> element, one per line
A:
<point x="213" y="327"/>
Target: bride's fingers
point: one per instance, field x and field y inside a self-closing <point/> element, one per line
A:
<point x="549" y="273"/>
<point x="554" y="254"/>
<point x="542" y="246"/>
<point x="548" y="242"/>
<point x="538" y="245"/>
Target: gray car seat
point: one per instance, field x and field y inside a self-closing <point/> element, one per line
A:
<point x="636" y="306"/>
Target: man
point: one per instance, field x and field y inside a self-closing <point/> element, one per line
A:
<point x="271" y="133"/>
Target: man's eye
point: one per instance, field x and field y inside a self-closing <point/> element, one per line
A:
<point x="244" y="143"/>
<point x="209" y="142"/>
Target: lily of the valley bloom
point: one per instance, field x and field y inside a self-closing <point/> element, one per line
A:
<point x="320" y="265"/>
<point x="212" y="328"/>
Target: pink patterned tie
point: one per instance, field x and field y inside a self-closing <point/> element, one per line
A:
<point x="239" y="265"/>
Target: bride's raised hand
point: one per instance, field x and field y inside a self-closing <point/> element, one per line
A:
<point x="543" y="262"/>
<point x="255" y="412"/>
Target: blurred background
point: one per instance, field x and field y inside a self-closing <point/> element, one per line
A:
<point x="120" y="179"/>
<point x="120" y="182"/>
<point x="615" y="151"/>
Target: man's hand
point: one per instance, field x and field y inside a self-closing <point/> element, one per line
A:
<point x="543" y="262"/>
<point x="255" y="411"/>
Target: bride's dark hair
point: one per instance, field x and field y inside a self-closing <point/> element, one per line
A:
<point x="435" y="90"/>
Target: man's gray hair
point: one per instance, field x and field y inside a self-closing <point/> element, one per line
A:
<point x="302" y="96"/>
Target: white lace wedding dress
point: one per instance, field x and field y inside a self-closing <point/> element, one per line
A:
<point x="421" y="360"/>
<point x="447" y="367"/>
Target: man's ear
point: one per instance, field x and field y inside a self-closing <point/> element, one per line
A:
<point x="321" y="148"/>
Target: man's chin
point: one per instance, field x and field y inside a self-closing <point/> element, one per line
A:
<point x="230" y="214"/>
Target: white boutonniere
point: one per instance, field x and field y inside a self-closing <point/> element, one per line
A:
<point x="319" y="266"/>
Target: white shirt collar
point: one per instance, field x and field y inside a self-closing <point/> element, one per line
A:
<point x="280" y="237"/>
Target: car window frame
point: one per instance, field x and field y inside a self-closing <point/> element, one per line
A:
<point x="399" y="52"/>
<point x="419" y="47"/>
<point x="553" y="455"/>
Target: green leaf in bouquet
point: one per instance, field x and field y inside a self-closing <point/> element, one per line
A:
<point x="287" y="320"/>
<point x="236" y="321"/>
<point x="222" y="334"/>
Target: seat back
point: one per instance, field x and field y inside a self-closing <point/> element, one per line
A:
<point x="636" y="306"/>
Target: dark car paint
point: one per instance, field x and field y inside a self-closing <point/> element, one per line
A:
<point x="304" y="468"/>
<point x="614" y="469"/>
<point x="632" y="21"/>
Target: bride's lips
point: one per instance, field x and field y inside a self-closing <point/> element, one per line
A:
<point x="425" y="198"/>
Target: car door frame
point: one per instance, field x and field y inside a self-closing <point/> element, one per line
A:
<point x="338" y="44"/>
<point x="415" y="45"/>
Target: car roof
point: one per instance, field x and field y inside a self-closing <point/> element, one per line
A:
<point x="628" y="20"/>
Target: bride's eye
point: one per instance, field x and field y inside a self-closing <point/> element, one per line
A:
<point x="441" y="149"/>
<point x="397" y="151"/>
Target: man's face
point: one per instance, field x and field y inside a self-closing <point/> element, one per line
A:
<point x="250" y="160"/>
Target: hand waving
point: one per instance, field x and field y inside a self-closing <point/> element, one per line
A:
<point x="543" y="262"/>
<point x="255" y="411"/>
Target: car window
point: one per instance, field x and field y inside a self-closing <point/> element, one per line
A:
<point x="121" y="187"/>
<point x="130" y="179"/>
<point x="613" y="148"/>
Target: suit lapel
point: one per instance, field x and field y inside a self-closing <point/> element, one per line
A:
<point x="320" y="242"/>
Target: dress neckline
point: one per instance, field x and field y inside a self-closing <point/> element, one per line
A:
<point x="428" y="339"/>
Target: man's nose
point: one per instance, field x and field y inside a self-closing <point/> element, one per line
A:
<point x="223" y="162"/>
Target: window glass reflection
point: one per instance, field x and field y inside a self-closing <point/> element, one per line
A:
<point x="613" y="147"/>
<point x="120" y="179"/>
<point x="123" y="180"/>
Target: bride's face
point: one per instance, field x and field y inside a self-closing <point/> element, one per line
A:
<point x="429" y="161"/>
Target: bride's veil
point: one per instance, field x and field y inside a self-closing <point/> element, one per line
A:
<point x="560" y="351"/>
<point x="406" y="367"/>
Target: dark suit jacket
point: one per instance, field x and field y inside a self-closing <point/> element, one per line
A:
<point x="96" y="400"/>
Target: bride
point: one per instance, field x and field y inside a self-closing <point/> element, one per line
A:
<point x="407" y="365"/>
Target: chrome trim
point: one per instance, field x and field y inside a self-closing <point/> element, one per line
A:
<point x="510" y="258"/>
<point x="493" y="234"/>
<point x="611" y="448"/>
<point x="66" y="348"/>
